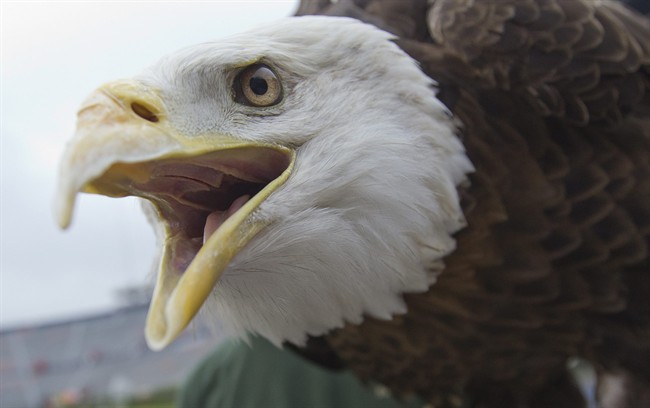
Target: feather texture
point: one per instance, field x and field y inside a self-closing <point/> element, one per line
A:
<point x="553" y="97"/>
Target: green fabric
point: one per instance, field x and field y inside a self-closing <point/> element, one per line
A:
<point x="260" y="375"/>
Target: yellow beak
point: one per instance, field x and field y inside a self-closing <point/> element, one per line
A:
<point x="123" y="135"/>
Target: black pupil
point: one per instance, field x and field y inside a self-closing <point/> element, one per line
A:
<point x="258" y="85"/>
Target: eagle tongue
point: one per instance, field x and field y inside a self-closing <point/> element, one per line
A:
<point x="217" y="218"/>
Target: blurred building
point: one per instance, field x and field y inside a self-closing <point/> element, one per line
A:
<point x="94" y="358"/>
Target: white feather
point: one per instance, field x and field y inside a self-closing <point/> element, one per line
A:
<point x="370" y="208"/>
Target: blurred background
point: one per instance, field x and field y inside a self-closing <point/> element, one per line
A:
<point x="73" y="303"/>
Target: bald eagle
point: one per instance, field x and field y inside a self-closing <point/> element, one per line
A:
<point x="450" y="198"/>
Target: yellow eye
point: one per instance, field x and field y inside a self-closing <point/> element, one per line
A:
<point x="257" y="85"/>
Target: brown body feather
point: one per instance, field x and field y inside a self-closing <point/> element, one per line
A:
<point x="554" y="101"/>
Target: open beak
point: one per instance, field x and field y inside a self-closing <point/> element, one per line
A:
<point x="205" y="190"/>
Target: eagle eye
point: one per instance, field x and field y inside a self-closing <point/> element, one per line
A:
<point x="257" y="85"/>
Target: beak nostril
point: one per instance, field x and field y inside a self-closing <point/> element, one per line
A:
<point x="144" y="112"/>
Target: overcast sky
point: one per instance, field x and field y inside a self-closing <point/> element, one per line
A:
<point x="53" y="55"/>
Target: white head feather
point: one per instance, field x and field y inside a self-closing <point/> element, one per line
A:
<point x="370" y="207"/>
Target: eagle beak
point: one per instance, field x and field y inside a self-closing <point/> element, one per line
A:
<point x="204" y="188"/>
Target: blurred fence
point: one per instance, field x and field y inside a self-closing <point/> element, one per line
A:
<point x="91" y="359"/>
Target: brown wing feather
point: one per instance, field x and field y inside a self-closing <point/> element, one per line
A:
<point x="554" y="97"/>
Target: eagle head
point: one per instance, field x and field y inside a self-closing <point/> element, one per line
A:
<point x="300" y="175"/>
